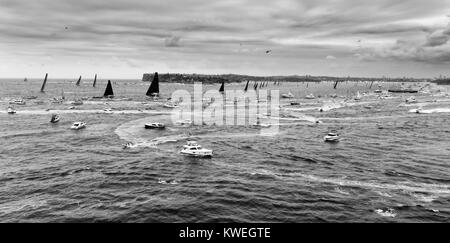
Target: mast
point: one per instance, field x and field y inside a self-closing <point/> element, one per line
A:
<point x="43" y="84"/>
<point x="108" y="90"/>
<point x="79" y="81"/>
<point x="95" y="81"/>
<point x="153" y="90"/>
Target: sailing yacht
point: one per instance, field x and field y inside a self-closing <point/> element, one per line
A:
<point x="153" y="90"/>
<point x="109" y="93"/>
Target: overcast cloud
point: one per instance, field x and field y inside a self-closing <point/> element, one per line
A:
<point x="124" y="38"/>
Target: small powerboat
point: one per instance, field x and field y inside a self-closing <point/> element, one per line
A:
<point x="295" y="103"/>
<point x="332" y="137"/>
<point x="11" y="110"/>
<point x="170" y="105"/>
<point x="128" y="146"/>
<point x="78" y="125"/>
<point x="17" y="102"/>
<point x="310" y="97"/>
<point x="108" y="110"/>
<point x="184" y="122"/>
<point x="55" y="118"/>
<point x="287" y="96"/>
<point x="77" y="102"/>
<point x="378" y="91"/>
<point x="411" y="100"/>
<point x="155" y="125"/>
<point x="195" y="150"/>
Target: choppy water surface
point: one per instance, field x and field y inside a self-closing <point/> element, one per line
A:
<point x="392" y="164"/>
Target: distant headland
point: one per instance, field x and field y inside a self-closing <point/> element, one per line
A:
<point x="233" y="78"/>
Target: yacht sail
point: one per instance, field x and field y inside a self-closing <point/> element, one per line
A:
<point x="153" y="90"/>
<point x="222" y="88"/>
<point x="246" y="86"/>
<point x="109" y="90"/>
<point x="43" y="84"/>
<point x="79" y="81"/>
<point x="95" y="81"/>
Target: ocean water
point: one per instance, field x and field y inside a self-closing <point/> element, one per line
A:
<point x="391" y="165"/>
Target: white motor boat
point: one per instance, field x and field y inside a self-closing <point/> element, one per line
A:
<point x="184" y="122"/>
<point x="55" y="118"/>
<point x="332" y="137"/>
<point x="108" y="110"/>
<point x="78" y="125"/>
<point x="170" y="105"/>
<point x="287" y="96"/>
<point x="77" y="102"/>
<point x="411" y="100"/>
<point x="195" y="150"/>
<point x="310" y="97"/>
<point x="155" y="125"/>
<point x="11" y="111"/>
<point x="17" y="102"/>
<point x="128" y="146"/>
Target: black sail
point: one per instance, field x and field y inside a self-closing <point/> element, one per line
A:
<point x="95" y="81"/>
<point x="79" y="81"/>
<point x="154" y="87"/>
<point x="43" y="84"/>
<point x="335" y="84"/>
<point x="246" y="86"/>
<point x="222" y="87"/>
<point x="108" y="90"/>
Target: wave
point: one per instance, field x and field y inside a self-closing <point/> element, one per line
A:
<point x="389" y="212"/>
<point x="405" y="186"/>
<point x="430" y="111"/>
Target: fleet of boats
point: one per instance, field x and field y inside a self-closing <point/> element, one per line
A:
<point x="192" y="148"/>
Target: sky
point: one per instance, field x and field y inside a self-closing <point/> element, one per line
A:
<point x="126" y="38"/>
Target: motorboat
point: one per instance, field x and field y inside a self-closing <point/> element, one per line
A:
<point x="378" y="91"/>
<point x="184" y="122"/>
<point x="11" y="110"/>
<point x="295" y="103"/>
<point x="55" y="118"/>
<point x="155" y="125"/>
<point x="72" y="108"/>
<point x="77" y="102"/>
<point x="170" y="105"/>
<point x="195" y="150"/>
<point x="108" y="110"/>
<point x="287" y="96"/>
<point x="30" y="97"/>
<point x="332" y="137"/>
<point x="78" y="126"/>
<point x="310" y="97"/>
<point x="411" y="100"/>
<point x="128" y="145"/>
<point x="17" y="102"/>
